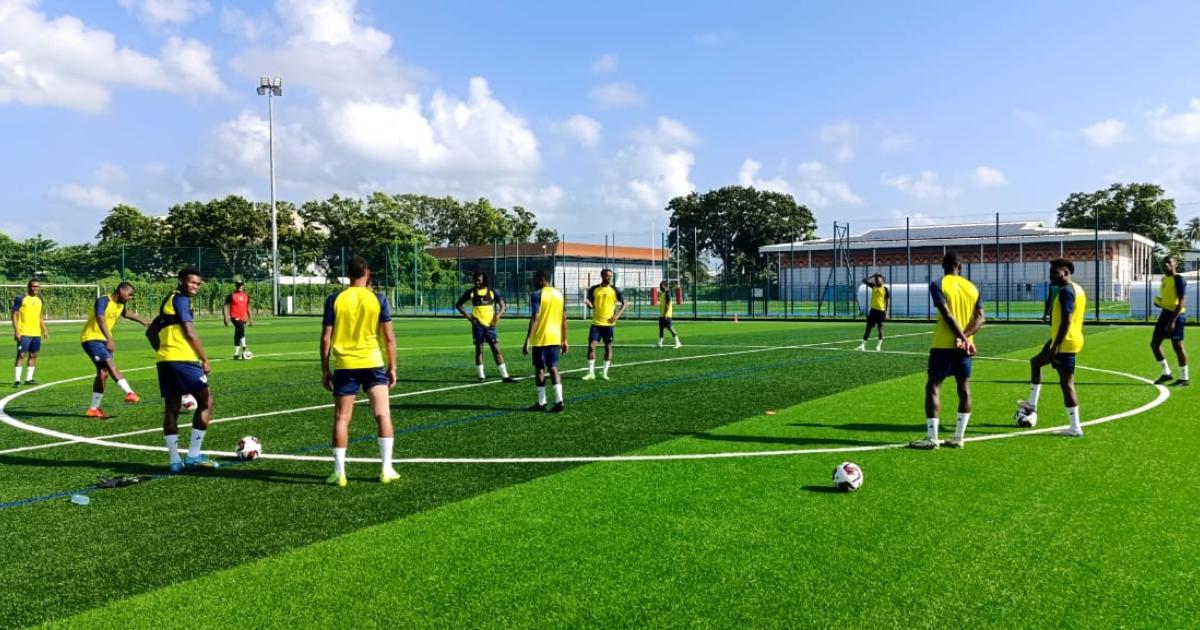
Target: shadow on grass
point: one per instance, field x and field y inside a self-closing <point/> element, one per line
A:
<point x="232" y="470"/>
<point x="769" y="439"/>
<point x="449" y="407"/>
<point x="863" y="426"/>
<point x="1055" y="383"/>
<point x="822" y="489"/>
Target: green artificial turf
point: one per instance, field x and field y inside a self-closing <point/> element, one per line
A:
<point x="1029" y="531"/>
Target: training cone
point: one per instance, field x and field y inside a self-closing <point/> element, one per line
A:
<point x="735" y="319"/>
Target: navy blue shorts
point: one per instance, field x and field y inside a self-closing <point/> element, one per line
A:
<point x="483" y="334"/>
<point x="545" y="357"/>
<point x="947" y="362"/>
<point x="1160" y="328"/>
<point x="1064" y="362"/>
<point x="29" y="344"/>
<point x="97" y="351"/>
<point x="347" y="382"/>
<point x="876" y="316"/>
<point x="664" y="323"/>
<point x="601" y="333"/>
<point x="176" y="378"/>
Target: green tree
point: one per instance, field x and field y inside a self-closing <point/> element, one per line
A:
<point x="233" y="226"/>
<point x="126" y="225"/>
<point x="1191" y="231"/>
<point x="1137" y="208"/>
<point x="521" y="223"/>
<point x="545" y="236"/>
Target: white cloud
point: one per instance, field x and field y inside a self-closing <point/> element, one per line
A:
<point x="1104" y="133"/>
<point x="582" y="129"/>
<point x="989" y="177"/>
<point x="616" y="95"/>
<point x="1175" y="129"/>
<point x="88" y="196"/>
<point x="605" y="64"/>
<point x="245" y="141"/>
<point x="654" y="169"/>
<point x="158" y="12"/>
<point x="238" y="22"/>
<point x="109" y="174"/>
<point x="448" y="135"/>
<point x="82" y="65"/>
<point x="924" y="186"/>
<point x="667" y="132"/>
<point x="748" y="176"/>
<point x="818" y="187"/>
<point x="841" y="138"/>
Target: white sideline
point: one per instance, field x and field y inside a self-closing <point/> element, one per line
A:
<point x="1163" y="395"/>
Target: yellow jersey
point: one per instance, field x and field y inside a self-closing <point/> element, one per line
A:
<point x="547" y="305"/>
<point x="879" y="298"/>
<point x="1171" y="293"/>
<point x="604" y="301"/>
<point x="1072" y="304"/>
<point x="29" y="315"/>
<point x="356" y="313"/>
<point x="961" y="299"/>
<point x="172" y="345"/>
<point x="106" y="309"/>
<point x="666" y="305"/>
<point x="483" y="304"/>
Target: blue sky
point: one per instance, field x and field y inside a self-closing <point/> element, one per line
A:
<point x="594" y="115"/>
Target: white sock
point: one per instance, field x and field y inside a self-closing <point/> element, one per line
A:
<point x="541" y="391"/>
<point x="29" y="373"/>
<point x="482" y="374"/>
<point x="660" y="342"/>
<point x="503" y="370"/>
<point x="960" y="425"/>
<point x="172" y="447"/>
<point x="196" y="443"/>
<point x="862" y="345"/>
<point x="385" y="452"/>
<point x="879" y="345"/>
<point x="339" y="461"/>
<point x="124" y="385"/>
<point x="17" y="378"/>
<point x="1073" y="418"/>
<point x="1166" y="369"/>
<point x="591" y="366"/>
<point x="607" y="364"/>
<point x="96" y="397"/>
<point x="558" y="392"/>
<point x="931" y="428"/>
<point x="1034" y="392"/>
<point x="1183" y="372"/>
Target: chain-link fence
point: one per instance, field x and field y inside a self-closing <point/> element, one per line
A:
<point x="786" y="283"/>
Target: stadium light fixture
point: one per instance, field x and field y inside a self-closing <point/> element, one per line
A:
<point x="272" y="87"/>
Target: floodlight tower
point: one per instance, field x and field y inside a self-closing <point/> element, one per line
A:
<point x="272" y="87"/>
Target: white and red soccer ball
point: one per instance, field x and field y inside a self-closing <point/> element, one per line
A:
<point x="847" y="477"/>
<point x="248" y="448"/>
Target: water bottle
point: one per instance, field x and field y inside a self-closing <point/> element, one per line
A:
<point x="80" y="499"/>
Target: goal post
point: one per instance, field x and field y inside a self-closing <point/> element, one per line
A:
<point x="61" y="302"/>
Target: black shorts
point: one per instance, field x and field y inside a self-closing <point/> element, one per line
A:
<point x="1160" y="327"/>
<point x="601" y="333"/>
<point x="483" y="334"/>
<point x="947" y="362"/>
<point x="545" y="357"/>
<point x="876" y="316"/>
<point x="239" y="331"/>
<point x="346" y="382"/>
<point x="176" y="378"/>
<point x="1063" y="361"/>
<point x="664" y="323"/>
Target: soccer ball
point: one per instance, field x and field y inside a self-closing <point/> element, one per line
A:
<point x="189" y="402"/>
<point x="248" y="448"/>
<point x="847" y="477"/>
<point x="247" y="355"/>
<point x="1024" y="416"/>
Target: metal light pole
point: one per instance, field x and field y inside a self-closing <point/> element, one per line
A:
<point x="272" y="87"/>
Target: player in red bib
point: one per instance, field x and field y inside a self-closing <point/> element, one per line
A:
<point x="237" y="310"/>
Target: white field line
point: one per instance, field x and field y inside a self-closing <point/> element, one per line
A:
<point x="68" y="438"/>
<point x="1163" y="395"/>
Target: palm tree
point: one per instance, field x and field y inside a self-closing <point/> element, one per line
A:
<point x="1191" y="231"/>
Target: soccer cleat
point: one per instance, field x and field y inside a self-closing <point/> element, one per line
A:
<point x="508" y="379"/>
<point x="678" y="345"/>
<point x="237" y="357"/>
<point x="482" y="379"/>
<point x="200" y="461"/>
<point x="1069" y="432"/>
<point x="388" y="476"/>
<point x="16" y="383"/>
<point x="132" y="399"/>
<point x="176" y="468"/>
<point x="952" y="443"/>
<point x="1163" y="379"/>
<point x="94" y="412"/>
<point x="924" y="445"/>
<point x="1183" y="382"/>
<point x="336" y="480"/>
<point x="31" y="382"/>
<point x="590" y="376"/>
<point x="557" y="408"/>
<point x="537" y="407"/>
<point x="604" y="375"/>
<point x="862" y="347"/>
<point x="660" y="343"/>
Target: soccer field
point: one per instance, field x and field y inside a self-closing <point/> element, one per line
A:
<point x="692" y="489"/>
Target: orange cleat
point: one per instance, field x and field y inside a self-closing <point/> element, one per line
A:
<point x="95" y="412"/>
<point x="132" y="398"/>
